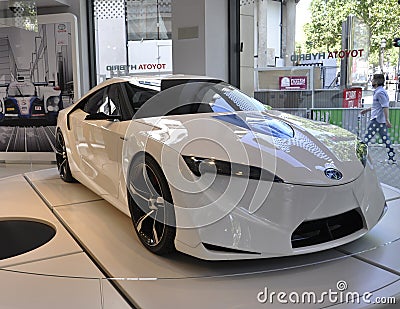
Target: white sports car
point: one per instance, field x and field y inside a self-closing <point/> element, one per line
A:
<point x="204" y="169"/>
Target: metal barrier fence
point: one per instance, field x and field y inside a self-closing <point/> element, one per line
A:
<point x="292" y="99"/>
<point x="350" y="119"/>
<point x="301" y="112"/>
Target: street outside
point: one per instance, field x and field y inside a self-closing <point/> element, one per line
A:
<point x="387" y="173"/>
<point x="391" y="90"/>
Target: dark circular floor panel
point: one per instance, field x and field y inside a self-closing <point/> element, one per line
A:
<point x="21" y="236"/>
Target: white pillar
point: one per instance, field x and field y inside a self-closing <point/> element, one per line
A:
<point x="289" y="31"/>
<point x="262" y="33"/>
<point x="200" y="37"/>
<point x="248" y="39"/>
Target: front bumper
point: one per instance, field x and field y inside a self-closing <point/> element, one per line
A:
<point x="24" y="108"/>
<point x="246" y="231"/>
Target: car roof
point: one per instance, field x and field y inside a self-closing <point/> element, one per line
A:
<point x="156" y="82"/>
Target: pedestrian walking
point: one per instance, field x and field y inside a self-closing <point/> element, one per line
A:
<point x="380" y="122"/>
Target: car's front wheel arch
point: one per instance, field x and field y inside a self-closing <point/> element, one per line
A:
<point x="151" y="205"/>
<point x="62" y="158"/>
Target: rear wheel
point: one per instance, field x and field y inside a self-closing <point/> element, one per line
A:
<point x="151" y="206"/>
<point x="62" y="159"/>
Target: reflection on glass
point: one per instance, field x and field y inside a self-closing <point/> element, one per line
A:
<point x="20" y="14"/>
<point x="149" y="19"/>
<point x="198" y="97"/>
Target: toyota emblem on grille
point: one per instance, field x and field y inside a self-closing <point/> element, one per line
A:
<point x="333" y="174"/>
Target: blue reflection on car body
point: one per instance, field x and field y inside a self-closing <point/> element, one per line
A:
<point x="259" y="123"/>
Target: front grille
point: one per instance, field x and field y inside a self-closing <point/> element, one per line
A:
<point x="319" y="231"/>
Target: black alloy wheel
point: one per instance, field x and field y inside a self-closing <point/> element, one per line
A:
<point x="62" y="159"/>
<point x="151" y="206"/>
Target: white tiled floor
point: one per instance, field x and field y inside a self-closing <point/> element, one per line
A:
<point x="108" y="237"/>
<point x="57" y="274"/>
<point x="10" y="169"/>
<point x="104" y="231"/>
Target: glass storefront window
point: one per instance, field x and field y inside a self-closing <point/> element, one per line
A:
<point x="316" y="59"/>
<point x="149" y="20"/>
<point x="21" y="14"/>
<point x="308" y="53"/>
<point x="132" y="37"/>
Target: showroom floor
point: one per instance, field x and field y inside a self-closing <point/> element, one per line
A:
<point x="95" y="260"/>
<point x="387" y="173"/>
<point x="10" y="169"/>
<point x="57" y="274"/>
<point x="87" y="266"/>
<point x="15" y="163"/>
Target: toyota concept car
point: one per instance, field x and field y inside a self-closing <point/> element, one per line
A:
<point x="204" y="169"/>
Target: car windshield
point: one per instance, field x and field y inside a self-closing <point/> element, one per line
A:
<point x="21" y="89"/>
<point x="198" y="97"/>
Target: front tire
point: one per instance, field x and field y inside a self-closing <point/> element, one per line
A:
<point x="62" y="159"/>
<point x="151" y="205"/>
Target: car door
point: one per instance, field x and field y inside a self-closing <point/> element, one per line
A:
<point x="82" y="132"/>
<point x="134" y="97"/>
<point x="105" y="141"/>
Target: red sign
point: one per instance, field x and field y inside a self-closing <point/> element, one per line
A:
<point x="293" y="83"/>
<point x="352" y="98"/>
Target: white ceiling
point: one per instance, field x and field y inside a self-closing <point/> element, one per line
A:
<point x="39" y="3"/>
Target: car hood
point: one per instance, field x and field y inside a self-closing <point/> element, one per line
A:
<point x="297" y="150"/>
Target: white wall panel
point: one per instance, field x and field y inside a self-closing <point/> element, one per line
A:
<point x="207" y="52"/>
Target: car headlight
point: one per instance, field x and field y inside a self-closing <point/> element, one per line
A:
<point x="52" y="104"/>
<point x="53" y="101"/>
<point x="56" y="100"/>
<point x="199" y="166"/>
<point x="1" y="107"/>
<point x="362" y="152"/>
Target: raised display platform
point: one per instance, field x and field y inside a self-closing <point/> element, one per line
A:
<point x="104" y="260"/>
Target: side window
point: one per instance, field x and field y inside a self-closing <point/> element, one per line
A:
<point x="138" y="96"/>
<point x="94" y="101"/>
<point x="104" y="107"/>
<point x="106" y="100"/>
<point x="112" y="101"/>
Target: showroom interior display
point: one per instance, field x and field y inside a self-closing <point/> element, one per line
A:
<point x="182" y="191"/>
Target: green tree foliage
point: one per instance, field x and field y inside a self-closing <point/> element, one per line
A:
<point x="324" y="31"/>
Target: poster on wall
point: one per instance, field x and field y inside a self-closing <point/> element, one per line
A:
<point x="37" y="70"/>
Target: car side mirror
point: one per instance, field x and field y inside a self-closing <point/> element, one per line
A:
<point x="102" y="116"/>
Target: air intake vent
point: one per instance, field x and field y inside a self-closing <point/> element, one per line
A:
<point x="225" y="250"/>
<point x="319" y="231"/>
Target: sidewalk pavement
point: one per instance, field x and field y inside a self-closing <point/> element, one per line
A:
<point x="387" y="173"/>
